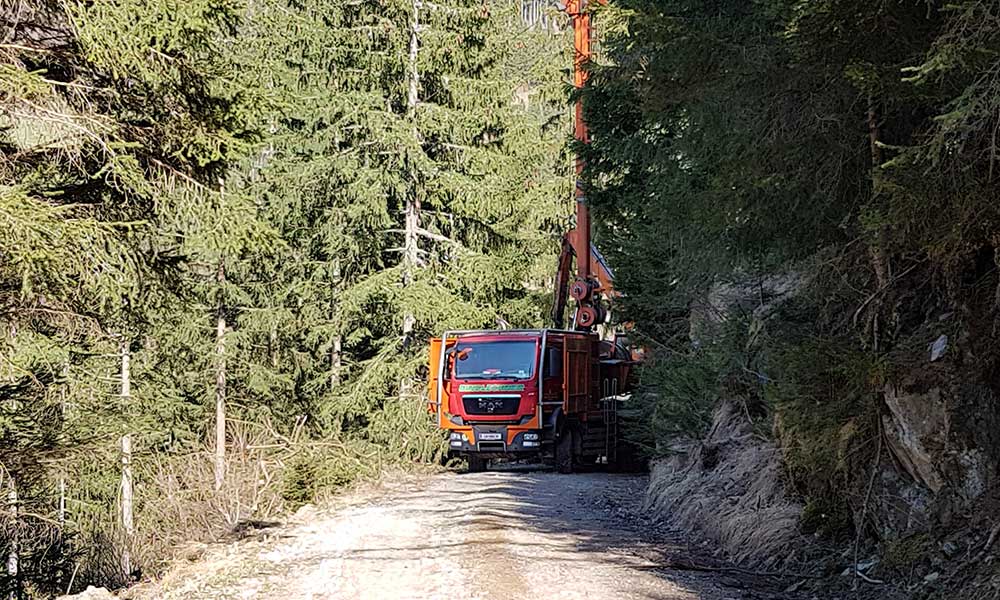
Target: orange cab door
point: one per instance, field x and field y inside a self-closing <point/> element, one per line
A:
<point x="434" y="402"/>
<point x="434" y="362"/>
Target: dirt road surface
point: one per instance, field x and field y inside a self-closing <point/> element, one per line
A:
<point x="496" y="535"/>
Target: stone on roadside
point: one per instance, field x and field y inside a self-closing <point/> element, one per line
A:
<point x="91" y="593"/>
<point x="306" y="512"/>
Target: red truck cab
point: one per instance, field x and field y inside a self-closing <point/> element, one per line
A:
<point x="511" y="393"/>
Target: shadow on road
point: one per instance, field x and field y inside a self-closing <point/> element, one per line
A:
<point x="592" y="518"/>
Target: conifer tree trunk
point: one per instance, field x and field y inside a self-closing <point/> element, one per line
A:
<point x="410" y="258"/>
<point x="220" y="383"/>
<point x="13" y="553"/>
<point x="62" y="474"/>
<point x="272" y="347"/>
<point x="414" y="82"/>
<point x="335" y="361"/>
<point x="878" y="248"/>
<point x="13" y="557"/>
<point x="411" y="251"/>
<point x="62" y="499"/>
<point x="879" y="258"/>
<point x="337" y="345"/>
<point x="126" y="446"/>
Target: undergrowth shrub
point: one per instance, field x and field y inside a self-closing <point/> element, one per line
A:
<point x="822" y="394"/>
<point x="269" y="474"/>
<point x="298" y="481"/>
<point x="680" y="388"/>
<point x="803" y="380"/>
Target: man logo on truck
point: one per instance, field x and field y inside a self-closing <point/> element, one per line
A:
<point x="490" y="406"/>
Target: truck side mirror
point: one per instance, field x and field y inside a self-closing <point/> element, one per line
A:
<point x="553" y="362"/>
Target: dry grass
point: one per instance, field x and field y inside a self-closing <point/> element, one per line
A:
<point x="729" y="488"/>
<point x="265" y="481"/>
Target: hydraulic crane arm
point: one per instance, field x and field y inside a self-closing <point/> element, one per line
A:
<point x="593" y="277"/>
<point x="599" y="271"/>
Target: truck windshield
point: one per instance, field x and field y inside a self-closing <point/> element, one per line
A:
<point x="495" y="360"/>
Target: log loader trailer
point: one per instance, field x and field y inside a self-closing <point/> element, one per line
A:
<point x="551" y="392"/>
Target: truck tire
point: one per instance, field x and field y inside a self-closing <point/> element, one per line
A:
<point x="477" y="464"/>
<point x="564" y="451"/>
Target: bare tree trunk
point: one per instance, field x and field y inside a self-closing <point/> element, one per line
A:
<point x="411" y="250"/>
<point x="62" y="474"/>
<point x="879" y="256"/>
<point x="336" y="347"/>
<point x="272" y="346"/>
<point x="414" y="83"/>
<point x="335" y="361"/>
<point x="13" y="552"/>
<point x="878" y="248"/>
<point x="13" y="557"/>
<point x="62" y="500"/>
<point x="220" y="384"/>
<point x="410" y="258"/>
<point x="126" y="444"/>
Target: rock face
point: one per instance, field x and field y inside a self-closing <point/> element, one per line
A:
<point x="729" y="488"/>
<point x="939" y="417"/>
<point x="916" y="426"/>
<point x="758" y="298"/>
<point x="729" y="485"/>
<point x="940" y="427"/>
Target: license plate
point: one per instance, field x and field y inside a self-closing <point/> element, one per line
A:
<point x="490" y="436"/>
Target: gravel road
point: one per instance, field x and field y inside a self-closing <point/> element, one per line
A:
<point x="496" y="535"/>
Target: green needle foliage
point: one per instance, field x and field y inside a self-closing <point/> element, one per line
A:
<point x="849" y="146"/>
<point x="208" y="197"/>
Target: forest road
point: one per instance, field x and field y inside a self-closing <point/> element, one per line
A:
<point x="496" y="535"/>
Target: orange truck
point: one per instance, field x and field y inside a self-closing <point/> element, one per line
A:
<point x="527" y="393"/>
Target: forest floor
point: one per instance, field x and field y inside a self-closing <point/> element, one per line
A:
<point x="511" y="534"/>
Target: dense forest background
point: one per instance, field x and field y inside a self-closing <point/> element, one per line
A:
<point x="227" y="230"/>
<point x="800" y="201"/>
<point x="228" y="227"/>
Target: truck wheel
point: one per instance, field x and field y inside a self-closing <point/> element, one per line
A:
<point x="564" y="451"/>
<point x="477" y="464"/>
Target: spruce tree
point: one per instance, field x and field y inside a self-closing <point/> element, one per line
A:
<point x="98" y="116"/>
<point x="221" y="214"/>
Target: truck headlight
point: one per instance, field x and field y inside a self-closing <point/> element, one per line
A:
<point x="456" y="436"/>
<point x="531" y="436"/>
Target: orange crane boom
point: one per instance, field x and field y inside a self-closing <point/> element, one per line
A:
<point x="593" y="277"/>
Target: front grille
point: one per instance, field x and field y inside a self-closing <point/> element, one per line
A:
<point x="490" y="405"/>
